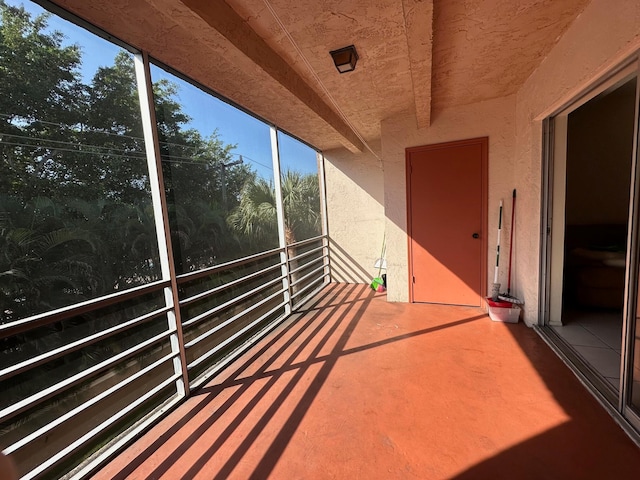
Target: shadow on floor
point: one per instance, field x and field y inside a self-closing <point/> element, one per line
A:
<point x="336" y="315"/>
<point x="294" y="400"/>
<point x="562" y="452"/>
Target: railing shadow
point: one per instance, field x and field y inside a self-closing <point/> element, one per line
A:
<point x="207" y="394"/>
<point x="304" y="353"/>
<point x="344" y="268"/>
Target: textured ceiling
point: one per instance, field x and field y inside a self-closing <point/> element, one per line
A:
<point x="271" y="56"/>
<point x="487" y="49"/>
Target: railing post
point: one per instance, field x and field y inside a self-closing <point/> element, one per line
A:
<point x="161" y="216"/>
<point x="284" y="254"/>
<point x="325" y="220"/>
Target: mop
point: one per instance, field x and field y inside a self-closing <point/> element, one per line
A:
<point x="378" y="283"/>
<point x="495" y="290"/>
<point x="494" y="299"/>
<point x="507" y="297"/>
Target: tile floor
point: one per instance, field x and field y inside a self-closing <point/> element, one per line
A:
<point x="356" y="387"/>
<point x="596" y="335"/>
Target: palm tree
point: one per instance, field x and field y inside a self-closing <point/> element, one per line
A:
<point x="44" y="263"/>
<point x="255" y="218"/>
<point x="301" y="203"/>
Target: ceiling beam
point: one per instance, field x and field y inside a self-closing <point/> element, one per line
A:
<point x="220" y="16"/>
<point x="418" y="19"/>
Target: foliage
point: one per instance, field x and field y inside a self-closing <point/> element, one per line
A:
<point x="255" y="216"/>
<point x="301" y="203"/>
<point x="76" y="220"/>
<point x="76" y="216"/>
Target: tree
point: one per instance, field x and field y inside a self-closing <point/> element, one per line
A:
<point x="193" y="172"/>
<point x="79" y="148"/>
<point x="255" y="218"/>
<point x="28" y="98"/>
<point x="301" y="203"/>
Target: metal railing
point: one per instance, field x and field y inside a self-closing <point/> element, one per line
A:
<point x="115" y="364"/>
<point x="219" y="322"/>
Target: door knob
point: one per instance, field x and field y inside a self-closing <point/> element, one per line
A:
<point x="476" y="235"/>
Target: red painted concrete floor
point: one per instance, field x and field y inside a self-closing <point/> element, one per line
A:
<point x="358" y="388"/>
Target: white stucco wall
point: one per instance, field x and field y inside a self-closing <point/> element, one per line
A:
<point x="493" y="119"/>
<point x="355" y="212"/>
<point x="599" y="39"/>
<point x="602" y="37"/>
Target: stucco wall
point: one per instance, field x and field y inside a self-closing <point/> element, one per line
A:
<point x="493" y="119"/>
<point x="598" y="40"/>
<point x="355" y="212"/>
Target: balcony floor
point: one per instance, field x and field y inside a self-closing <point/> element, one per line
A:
<point x="355" y="387"/>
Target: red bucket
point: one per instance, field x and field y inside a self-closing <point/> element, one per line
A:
<point x="498" y="303"/>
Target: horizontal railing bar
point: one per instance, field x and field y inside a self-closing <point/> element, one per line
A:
<point x="219" y="288"/>
<point x="302" y="290"/>
<point x="307" y="253"/>
<point x="240" y="332"/>
<point x="233" y="355"/>
<point x="231" y="320"/>
<point x="309" y="240"/>
<point x="308" y="264"/>
<point x="185" y="277"/>
<point x="310" y="274"/>
<point x="233" y="301"/>
<point x="43" y="467"/>
<point x="63" y="313"/>
<point x="33" y="400"/>
<point x="77" y="345"/>
<point x="81" y="408"/>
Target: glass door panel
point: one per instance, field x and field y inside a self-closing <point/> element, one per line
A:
<point x="593" y="154"/>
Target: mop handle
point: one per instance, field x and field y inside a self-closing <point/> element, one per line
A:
<point x="495" y="276"/>
<point x="513" y="214"/>
<point x="382" y="253"/>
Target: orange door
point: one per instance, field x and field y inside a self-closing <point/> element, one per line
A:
<point x="447" y="222"/>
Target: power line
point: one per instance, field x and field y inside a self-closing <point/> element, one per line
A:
<point x="83" y="152"/>
<point x="51" y="142"/>
<point x="67" y="126"/>
<point x="133" y="154"/>
<point x="44" y="145"/>
<point x="102" y="132"/>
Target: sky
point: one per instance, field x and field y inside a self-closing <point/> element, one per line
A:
<point x="207" y="113"/>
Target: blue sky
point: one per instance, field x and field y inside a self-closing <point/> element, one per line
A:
<point x="207" y="113"/>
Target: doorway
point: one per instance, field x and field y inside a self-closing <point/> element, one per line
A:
<point x="589" y="304"/>
<point x="591" y="255"/>
<point x="446" y="209"/>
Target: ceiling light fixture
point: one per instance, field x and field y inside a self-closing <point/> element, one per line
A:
<point x="345" y="58"/>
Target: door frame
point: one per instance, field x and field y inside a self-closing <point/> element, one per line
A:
<point x="618" y="405"/>
<point x="484" y="143"/>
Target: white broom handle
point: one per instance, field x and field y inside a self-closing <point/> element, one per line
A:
<point x="495" y="275"/>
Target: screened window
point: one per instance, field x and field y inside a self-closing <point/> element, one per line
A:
<point x="300" y="189"/>
<point x="75" y="209"/>
<point x="76" y="223"/>
<point x="218" y="175"/>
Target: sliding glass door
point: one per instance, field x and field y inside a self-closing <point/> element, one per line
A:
<point x="591" y="256"/>
<point x="632" y="409"/>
